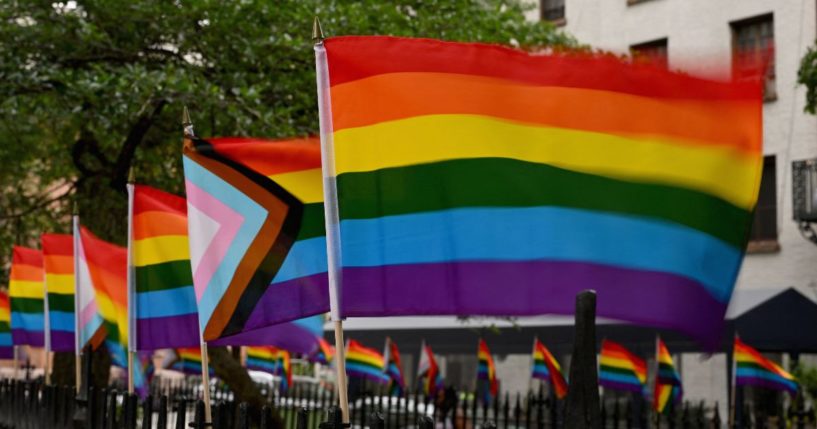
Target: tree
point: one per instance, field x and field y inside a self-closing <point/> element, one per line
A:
<point x="91" y="88"/>
<point x="807" y="75"/>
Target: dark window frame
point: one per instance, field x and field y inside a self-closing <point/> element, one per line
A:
<point x="553" y="14"/>
<point x="645" y="47"/>
<point x="770" y="77"/>
<point x="763" y="235"/>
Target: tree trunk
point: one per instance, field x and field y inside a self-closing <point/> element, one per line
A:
<point x="64" y="371"/>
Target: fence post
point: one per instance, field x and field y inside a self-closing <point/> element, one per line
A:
<point x="425" y="422"/>
<point x="582" y="410"/>
<point x="161" y="418"/>
<point x="181" y="414"/>
<point x="334" y="419"/>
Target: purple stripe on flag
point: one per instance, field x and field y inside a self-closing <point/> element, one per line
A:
<point x="534" y="287"/>
<point x="287" y="336"/>
<point x="22" y="337"/>
<point x="6" y="352"/>
<point x="765" y="382"/>
<point x="290" y="300"/>
<point x="627" y="387"/>
<point x="168" y="332"/>
<point x="62" y="341"/>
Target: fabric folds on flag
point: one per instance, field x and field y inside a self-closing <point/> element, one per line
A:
<point x="166" y="315"/>
<point x="283" y="368"/>
<point x="324" y="353"/>
<point x="364" y="362"/>
<point x="546" y="367"/>
<point x="58" y="265"/>
<point x="478" y="179"/>
<point x="257" y="246"/>
<point x="6" y="344"/>
<point x="27" y="294"/>
<point x="428" y="372"/>
<point x="668" y="386"/>
<point x="188" y="361"/>
<point x="753" y="369"/>
<point x="394" y="368"/>
<point x="92" y="330"/>
<point x="486" y="371"/>
<point x="621" y="370"/>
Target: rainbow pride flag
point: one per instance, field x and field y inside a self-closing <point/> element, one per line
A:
<point x="546" y="367"/>
<point x="26" y="292"/>
<point x="324" y="353"/>
<point x="6" y="345"/>
<point x="667" y="382"/>
<point x="478" y="179"/>
<point x="283" y="368"/>
<point x="92" y="330"/>
<point x="165" y="302"/>
<point x="363" y="362"/>
<point x="58" y="264"/>
<point x="188" y="361"/>
<point x="257" y="242"/>
<point x="394" y="368"/>
<point x="486" y="370"/>
<point x="621" y="370"/>
<point x="428" y="372"/>
<point x="107" y="266"/>
<point x="261" y="358"/>
<point x="752" y="369"/>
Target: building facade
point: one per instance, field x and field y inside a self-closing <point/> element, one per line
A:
<point x="721" y="39"/>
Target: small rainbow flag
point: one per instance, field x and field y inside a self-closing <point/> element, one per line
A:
<point x="621" y="370"/>
<point x="324" y="353"/>
<point x="188" y="361"/>
<point x="364" y="362"/>
<point x="546" y="367"/>
<point x="6" y="345"/>
<point x="262" y="358"/>
<point x="257" y="238"/>
<point x="428" y="372"/>
<point x="58" y="263"/>
<point x="534" y="177"/>
<point x="283" y="368"/>
<point x="165" y="307"/>
<point x="667" y="381"/>
<point x="394" y="368"/>
<point x="486" y="370"/>
<point x="752" y="369"/>
<point x="27" y="294"/>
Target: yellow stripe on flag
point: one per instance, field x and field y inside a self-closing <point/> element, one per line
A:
<point x="24" y="289"/>
<point x="306" y="185"/>
<point x="60" y="283"/>
<point x="160" y="249"/>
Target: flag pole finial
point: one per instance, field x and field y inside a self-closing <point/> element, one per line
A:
<point x="74" y="208"/>
<point x="317" y="31"/>
<point x="187" y="124"/>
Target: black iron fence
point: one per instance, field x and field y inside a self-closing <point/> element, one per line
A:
<point x="31" y="405"/>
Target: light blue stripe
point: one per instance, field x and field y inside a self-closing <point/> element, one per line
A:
<point x="305" y="258"/>
<point x="32" y="322"/>
<point x="61" y="321"/>
<point x="5" y="339"/>
<point x="540" y="371"/>
<point x="610" y="376"/>
<point x="89" y="330"/>
<point x="313" y="324"/>
<point x="542" y="233"/>
<point x="260" y="365"/>
<point x="166" y="303"/>
<point x="118" y="356"/>
<point x="254" y="217"/>
<point x="362" y="370"/>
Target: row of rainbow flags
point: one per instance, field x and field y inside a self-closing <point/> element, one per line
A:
<point x="448" y="179"/>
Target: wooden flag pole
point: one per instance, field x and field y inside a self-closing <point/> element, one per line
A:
<point x="16" y="362"/>
<point x="733" y="385"/>
<point x="46" y="332"/>
<point x="131" y="293"/>
<point x="331" y="215"/>
<point x="188" y="134"/>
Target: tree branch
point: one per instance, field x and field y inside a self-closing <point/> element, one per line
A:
<point x="147" y="115"/>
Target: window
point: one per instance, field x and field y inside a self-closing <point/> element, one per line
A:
<point x="553" y="11"/>
<point x="763" y="236"/>
<point x="753" y="52"/>
<point x="654" y="52"/>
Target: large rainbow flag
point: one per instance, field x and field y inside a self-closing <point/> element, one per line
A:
<point x="165" y="302"/>
<point x="6" y="345"/>
<point x="394" y="368"/>
<point x="428" y="372"/>
<point x="89" y="324"/>
<point x="546" y="367"/>
<point x="262" y="358"/>
<point x="364" y="362"/>
<point x="667" y="381"/>
<point x="107" y="266"/>
<point x="621" y="370"/>
<point x="257" y="242"/>
<point x="27" y="294"/>
<point x="479" y="179"/>
<point x="58" y="264"/>
<point x="486" y="370"/>
<point x="752" y="369"/>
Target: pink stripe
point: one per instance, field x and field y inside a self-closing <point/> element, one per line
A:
<point x="88" y="313"/>
<point x="229" y="222"/>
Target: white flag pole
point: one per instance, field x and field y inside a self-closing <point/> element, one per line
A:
<point x="187" y="126"/>
<point x="46" y="331"/>
<point x="331" y="215"/>
<point x="77" y="300"/>
<point x="131" y="281"/>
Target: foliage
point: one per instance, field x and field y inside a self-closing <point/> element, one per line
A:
<point x="807" y="75"/>
<point x="807" y="378"/>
